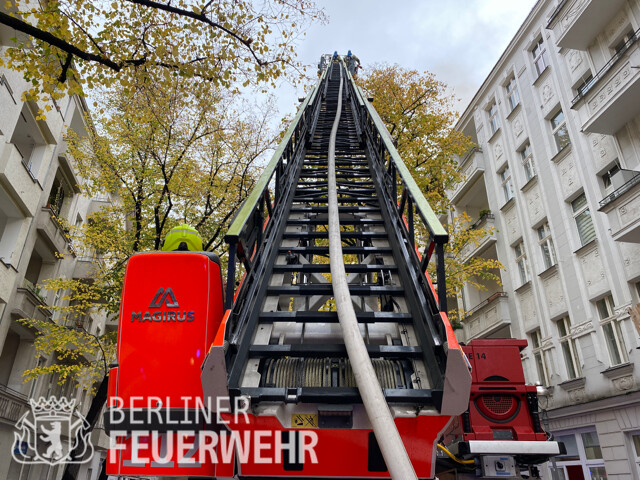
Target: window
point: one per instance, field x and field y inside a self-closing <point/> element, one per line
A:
<point x="583" y="458"/>
<point x="622" y="45"/>
<point x="612" y="334"/>
<point x="584" y="223"/>
<point x="60" y="196"/>
<point x="56" y="196"/>
<point x="28" y="139"/>
<point x="11" y="220"/>
<point x="5" y="82"/>
<point x="606" y="179"/>
<point x="494" y="120"/>
<point x="635" y="439"/>
<point x="568" y="347"/>
<point x="584" y="86"/>
<point x="527" y="161"/>
<point x="512" y="93"/>
<point x="507" y="184"/>
<point x="560" y="132"/>
<point x="591" y="444"/>
<point x="539" y="356"/>
<point x="36" y="381"/>
<point x="546" y="246"/>
<point x="521" y="261"/>
<point x="540" y="59"/>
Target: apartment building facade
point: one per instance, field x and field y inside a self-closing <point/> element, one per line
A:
<point x="39" y="200"/>
<point x="555" y="177"/>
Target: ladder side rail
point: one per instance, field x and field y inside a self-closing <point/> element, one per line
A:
<point x="390" y="171"/>
<point x="427" y="329"/>
<point x="248" y="226"/>
<point x="428" y="326"/>
<point x="357" y="103"/>
<point x="245" y="310"/>
<point x="411" y="200"/>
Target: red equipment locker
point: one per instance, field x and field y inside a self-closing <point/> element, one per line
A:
<point x="172" y="306"/>
<point x="501" y="406"/>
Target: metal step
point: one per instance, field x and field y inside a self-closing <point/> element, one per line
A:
<point x="332" y="317"/>
<point x="321" y="250"/>
<point x="350" y="221"/>
<point x="331" y="350"/>
<point x="344" y="235"/>
<point x="325" y="268"/>
<point x="327" y="289"/>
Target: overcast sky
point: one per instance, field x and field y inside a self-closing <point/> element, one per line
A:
<point x="458" y="40"/>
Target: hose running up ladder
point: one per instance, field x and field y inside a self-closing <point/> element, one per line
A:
<point x="391" y="446"/>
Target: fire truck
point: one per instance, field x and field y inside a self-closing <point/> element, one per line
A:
<point x="323" y="349"/>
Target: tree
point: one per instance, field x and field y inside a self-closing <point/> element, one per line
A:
<point x="166" y="156"/>
<point x="61" y="45"/>
<point x="420" y="117"/>
<point x="166" y="153"/>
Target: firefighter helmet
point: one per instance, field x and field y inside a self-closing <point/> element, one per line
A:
<point x="183" y="237"/>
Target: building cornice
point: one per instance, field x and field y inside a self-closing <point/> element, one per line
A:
<point x="595" y="405"/>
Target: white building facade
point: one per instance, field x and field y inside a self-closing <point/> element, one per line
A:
<point x="556" y="174"/>
<point x="39" y="200"/>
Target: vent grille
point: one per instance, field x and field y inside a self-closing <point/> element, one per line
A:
<point x="498" y="407"/>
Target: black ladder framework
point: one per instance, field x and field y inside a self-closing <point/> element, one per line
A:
<point x="284" y="339"/>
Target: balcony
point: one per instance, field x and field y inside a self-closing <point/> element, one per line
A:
<point x="577" y="23"/>
<point x="52" y="231"/>
<point x="99" y="438"/>
<point x="12" y="405"/>
<point x="610" y="100"/>
<point x="18" y="180"/>
<point x="87" y="265"/>
<point x="8" y="275"/>
<point x="111" y="323"/>
<point x="30" y="303"/>
<point x="486" y="221"/>
<point x="97" y="204"/>
<point x="472" y="168"/>
<point x="488" y="317"/>
<point x="622" y="206"/>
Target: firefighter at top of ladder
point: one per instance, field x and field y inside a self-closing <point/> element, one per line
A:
<point x="353" y="63"/>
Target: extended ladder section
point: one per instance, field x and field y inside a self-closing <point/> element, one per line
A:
<point x="284" y="340"/>
<point x="271" y="361"/>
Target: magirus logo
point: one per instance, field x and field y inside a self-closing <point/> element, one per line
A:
<point x="166" y="297"/>
<point x="50" y="431"/>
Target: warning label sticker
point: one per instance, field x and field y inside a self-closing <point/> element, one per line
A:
<point x="304" y="420"/>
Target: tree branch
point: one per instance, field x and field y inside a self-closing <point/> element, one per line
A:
<point x="65" y="68"/>
<point x="201" y="17"/>
<point x="51" y="39"/>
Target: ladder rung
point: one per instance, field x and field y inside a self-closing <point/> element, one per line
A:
<point x="319" y="250"/>
<point x="357" y="235"/>
<point x="312" y="199"/>
<point x="350" y="221"/>
<point x="340" y="209"/>
<point x="339" y="395"/>
<point x="326" y="268"/>
<point x="332" y="317"/>
<point x="315" y="350"/>
<point x="327" y="289"/>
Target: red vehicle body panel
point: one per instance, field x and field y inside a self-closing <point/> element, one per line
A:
<point x="501" y="406"/>
<point x="171" y="309"/>
<point x="344" y="453"/>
